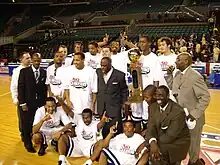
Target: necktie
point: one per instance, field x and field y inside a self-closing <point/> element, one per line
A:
<point x="36" y="76"/>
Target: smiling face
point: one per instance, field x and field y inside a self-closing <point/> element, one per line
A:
<point x="162" y="97"/>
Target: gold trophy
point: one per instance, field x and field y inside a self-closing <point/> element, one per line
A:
<point x="136" y="89"/>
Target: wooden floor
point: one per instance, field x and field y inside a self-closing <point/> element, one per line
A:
<point x="12" y="151"/>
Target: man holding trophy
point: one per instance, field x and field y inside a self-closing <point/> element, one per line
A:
<point x="145" y="70"/>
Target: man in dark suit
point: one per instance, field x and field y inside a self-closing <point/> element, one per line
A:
<point x="112" y="94"/>
<point x="32" y="93"/>
<point x="168" y="136"/>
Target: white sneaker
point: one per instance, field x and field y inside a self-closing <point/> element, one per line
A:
<point x="62" y="163"/>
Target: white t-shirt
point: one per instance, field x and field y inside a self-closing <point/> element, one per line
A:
<point x="87" y="134"/>
<point x="150" y="68"/>
<point x="55" y="80"/>
<point x="81" y="86"/>
<point x="126" y="145"/>
<point x="56" y="117"/>
<point x="120" y="61"/>
<point x="167" y="61"/>
<point x="69" y="59"/>
<point x="93" y="61"/>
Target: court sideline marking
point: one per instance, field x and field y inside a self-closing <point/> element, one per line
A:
<point x="4" y="94"/>
<point x="212" y="127"/>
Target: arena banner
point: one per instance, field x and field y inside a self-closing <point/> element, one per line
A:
<point x="4" y="70"/>
<point x="214" y="67"/>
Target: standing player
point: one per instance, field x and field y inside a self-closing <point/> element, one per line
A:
<point x="167" y="58"/>
<point x="121" y="149"/>
<point x="78" y="47"/>
<point x="53" y="81"/>
<point x="151" y="74"/>
<point x="25" y="59"/>
<point x="93" y="58"/>
<point x="47" y="122"/>
<point x="78" y="86"/>
<point x="85" y="143"/>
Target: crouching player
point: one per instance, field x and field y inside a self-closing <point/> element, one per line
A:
<point x="121" y="149"/>
<point x="85" y="143"/>
<point x="47" y="123"/>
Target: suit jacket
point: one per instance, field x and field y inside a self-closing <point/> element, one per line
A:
<point x="170" y="130"/>
<point x="112" y="95"/>
<point x="30" y="92"/>
<point x="192" y="93"/>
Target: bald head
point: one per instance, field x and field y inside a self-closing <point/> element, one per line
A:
<point x="183" y="61"/>
<point x="149" y="93"/>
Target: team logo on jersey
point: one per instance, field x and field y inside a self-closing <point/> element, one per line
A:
<point x="93" y="64"/>
<point x="87" y="136"/>
<point x="51" y="124"/>
<point x="164" y="65"/>
<point x="76" y="83"/>
<point x="54" y="81"/>
<point x="126" y="149"/>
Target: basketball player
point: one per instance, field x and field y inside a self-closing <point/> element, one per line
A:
<point x="63" y="50"/>
<point x="25" y="59"/>
<point x="78" y="47"/>
<point x="93" y="58"/>
<point x="53" y="81"/>
<point x="47" y="122"/>
<point x="85" y="143"/>
<point x="121" y="149"/>
<point x="167" y="58"/>
<point x="149" y="98"/>
<point x="78" y="86"/>
<point x="151" y="74"/>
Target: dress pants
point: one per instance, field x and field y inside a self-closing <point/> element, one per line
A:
<point x="27" y="119"/>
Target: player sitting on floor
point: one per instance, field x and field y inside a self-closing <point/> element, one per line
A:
<point x="121" y="149"/>
<point x="85" y="143"/>
<point x="47" y="124"/>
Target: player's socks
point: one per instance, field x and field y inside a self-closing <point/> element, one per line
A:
<point x="88" y="162"/>
<point x="62" y="160"/>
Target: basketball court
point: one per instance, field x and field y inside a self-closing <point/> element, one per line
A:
<point x="12" y="151"/>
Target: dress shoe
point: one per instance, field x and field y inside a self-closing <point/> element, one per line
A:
<point x="31" y="150"/>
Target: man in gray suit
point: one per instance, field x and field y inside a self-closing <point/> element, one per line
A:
<point x="111" y="94"/>
<point x="192" y="94"/>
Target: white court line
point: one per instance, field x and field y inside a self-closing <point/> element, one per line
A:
<point x="4" y="94"/>
<point x="212" y="127"/>
<point x="208" y="133"/>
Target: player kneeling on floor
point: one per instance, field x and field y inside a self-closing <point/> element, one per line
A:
<point x="121" y="149"/>
<point x="47" y="124"/>
<point x="85" y="143"/>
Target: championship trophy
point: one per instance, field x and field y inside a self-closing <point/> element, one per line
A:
<point x="136" y="89"/>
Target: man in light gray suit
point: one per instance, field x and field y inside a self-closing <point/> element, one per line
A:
<point x="192" y="94"/>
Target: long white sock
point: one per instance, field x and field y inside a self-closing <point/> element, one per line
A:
<point x="62" y="158"/>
